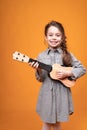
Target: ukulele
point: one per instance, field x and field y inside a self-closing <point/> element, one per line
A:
<point x="52" y="69"/>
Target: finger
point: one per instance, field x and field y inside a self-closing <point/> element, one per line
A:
<point x="31" y="63"/>
<point x="36" y="65"/>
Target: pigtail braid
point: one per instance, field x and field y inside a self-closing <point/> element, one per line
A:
<point x="67" y="61"/>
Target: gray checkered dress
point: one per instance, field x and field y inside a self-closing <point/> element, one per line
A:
<point x="55" y="100"/>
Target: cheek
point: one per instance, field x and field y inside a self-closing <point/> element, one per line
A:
<point x="47" y="39"/>
<point x="59" y="38"/>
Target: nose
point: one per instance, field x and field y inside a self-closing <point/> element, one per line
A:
<point x="54" y="37"/>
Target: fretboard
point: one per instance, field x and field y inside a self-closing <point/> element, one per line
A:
<point x="42" y="65"/>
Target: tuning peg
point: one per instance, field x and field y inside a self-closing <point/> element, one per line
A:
<point x="23" y="55"/>
<point x="18" y="53"/>
<point x="22" y="59"/>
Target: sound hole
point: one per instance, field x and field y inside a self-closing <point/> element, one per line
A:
<point x="70" y="78"/>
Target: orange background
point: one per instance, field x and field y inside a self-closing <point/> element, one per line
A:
<point x="22" y="28"/>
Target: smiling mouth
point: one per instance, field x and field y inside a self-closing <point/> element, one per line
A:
<point x="54" y="42"/>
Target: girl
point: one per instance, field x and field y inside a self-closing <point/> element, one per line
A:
<point x="55" y="99"/>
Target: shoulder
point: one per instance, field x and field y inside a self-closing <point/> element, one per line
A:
<point x="43" y="53"/>
<point x="43" y="56"/>
<point x="73" y="56"/>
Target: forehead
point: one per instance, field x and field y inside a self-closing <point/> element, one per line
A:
<point x="53" y="29"/>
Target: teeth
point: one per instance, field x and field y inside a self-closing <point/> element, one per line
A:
<point x="53" y="42"/>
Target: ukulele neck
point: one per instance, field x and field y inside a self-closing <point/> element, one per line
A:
<point x="42" y="65"/>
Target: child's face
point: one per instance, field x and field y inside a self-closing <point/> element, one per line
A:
<point x="54" y="37"/>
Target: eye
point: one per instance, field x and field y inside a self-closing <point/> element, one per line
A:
<point x="58" y="35"/>
<point x="50" y="35"/>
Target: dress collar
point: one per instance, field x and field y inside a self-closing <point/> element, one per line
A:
<point x="58" y="50"/>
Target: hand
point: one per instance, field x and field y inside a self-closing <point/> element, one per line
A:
<point x="33" y="64"/>
<point x="61" y="73"/>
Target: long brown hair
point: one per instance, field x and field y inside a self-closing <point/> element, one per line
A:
<point x="66" y="55"/>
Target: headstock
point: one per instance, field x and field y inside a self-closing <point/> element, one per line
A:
<point x="20" y="57"/>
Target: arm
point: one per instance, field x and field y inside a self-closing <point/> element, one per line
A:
<point x="78" y="68"/>
<point x="40" y="73"/>
<point x="76" y="71"/>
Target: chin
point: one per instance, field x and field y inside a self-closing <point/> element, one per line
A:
<point x="55" y="46"/>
